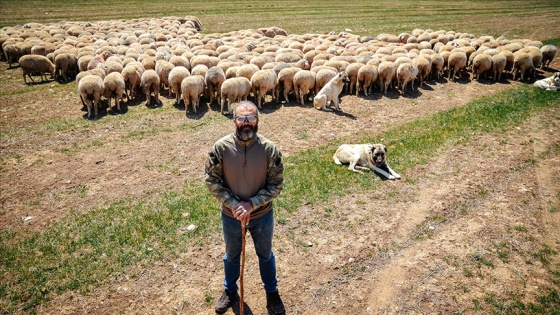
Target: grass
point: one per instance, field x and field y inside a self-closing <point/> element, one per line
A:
<point x="362" y="16"/>
<point x="81" y="252"/>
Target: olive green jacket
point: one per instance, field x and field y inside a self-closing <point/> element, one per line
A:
<point x="244" y="171"/>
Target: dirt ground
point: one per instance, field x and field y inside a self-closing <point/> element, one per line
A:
<point x="414" y="246"/>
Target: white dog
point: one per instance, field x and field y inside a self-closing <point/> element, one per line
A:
<point x="551" y="83"/>
<point x="330" y="92"/>
<point x="365" y="156"/>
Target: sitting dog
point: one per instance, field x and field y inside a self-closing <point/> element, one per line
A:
<point x="551" y="83"/>
<point x="365" y="156"/>
<point x="330" y="92"/>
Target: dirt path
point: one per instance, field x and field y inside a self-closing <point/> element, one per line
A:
<point x="429" y="241"/>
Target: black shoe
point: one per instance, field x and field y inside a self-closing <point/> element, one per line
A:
<point x="227" y="300"/>
<point x="274" y="303"/>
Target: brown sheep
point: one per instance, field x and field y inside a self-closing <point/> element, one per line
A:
<point x="36" y="64"/>
<point x="263" y="82"/>
<point x="192" y="87"/>
<point x="214" y="78"/>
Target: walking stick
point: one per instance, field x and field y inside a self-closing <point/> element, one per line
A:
<point x="241" y="306"/>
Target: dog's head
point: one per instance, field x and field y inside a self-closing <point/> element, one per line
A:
<point x="344" y="77"/>
<point x="556" y="79"/>
<point x="378" y="153"/>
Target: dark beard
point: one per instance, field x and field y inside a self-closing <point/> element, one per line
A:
<point x="247" y="132"/>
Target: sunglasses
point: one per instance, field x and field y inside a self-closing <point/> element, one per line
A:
<point x="249" y="118"/>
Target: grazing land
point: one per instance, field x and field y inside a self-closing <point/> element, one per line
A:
<point x="94" y="214"/>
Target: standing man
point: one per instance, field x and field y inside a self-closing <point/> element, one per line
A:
<point x="244" y="171"/>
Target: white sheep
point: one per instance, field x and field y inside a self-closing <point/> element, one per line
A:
<point x="66" y="65"/>
<point x="482" y="63"/>
<point x="132" y="75"/>
<point x="457" y="62"/>
<point x="163" y="67"/>
<point x="214" y="78"/>
<point x="499" y="62"/>
<point x="246" y="70"/>
<point x="91" y="88"/>
<point x="352" y="71"/>
<point x="150" y="85"/>
<point x="36" y="64"/>
<point x="386" y="71"/>
<point x="406" y="72"/>
<point x="366" y="79"/>
<point x="286" y="80"/>
<point x="330" y="92"/>
<point x="522" y="65"/>
<point x="192" y="87"/>
<point x="437" y="65"/>
<point x="114" y="88"/>
<point x="304" y="83"/>
<point x="234" y="90"/>
<point x="263" y="82"/>
<point x="424" y="65"/>
<point x="548" y="53"/>
<point x="175" y="79"/>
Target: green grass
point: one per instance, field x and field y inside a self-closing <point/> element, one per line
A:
<point x="82" y="251"/>
<point x="364" y="17"/>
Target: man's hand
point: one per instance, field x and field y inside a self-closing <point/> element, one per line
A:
<point x="242" y="212"/>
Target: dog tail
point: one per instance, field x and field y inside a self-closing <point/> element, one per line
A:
<point x="336" y="160"/>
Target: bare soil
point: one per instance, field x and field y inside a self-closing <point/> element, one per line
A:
<point x="414" y="246"/>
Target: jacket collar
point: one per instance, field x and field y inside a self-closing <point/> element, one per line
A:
<point x="247" y="143"/>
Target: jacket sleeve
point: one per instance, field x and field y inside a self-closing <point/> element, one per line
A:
<point x="213" y="177"/>
<point x="274" y="179"/>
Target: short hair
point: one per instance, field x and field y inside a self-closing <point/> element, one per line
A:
<point x="246" y="104"/>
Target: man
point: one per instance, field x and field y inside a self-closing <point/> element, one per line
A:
<point x="244" y="171"/>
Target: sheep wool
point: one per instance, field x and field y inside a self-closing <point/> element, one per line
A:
<point x="36" y="64"/>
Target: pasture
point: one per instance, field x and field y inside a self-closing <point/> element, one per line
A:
<point x="95" y="213"/>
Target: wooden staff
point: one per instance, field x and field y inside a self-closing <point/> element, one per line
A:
<point x="241" y="306"/>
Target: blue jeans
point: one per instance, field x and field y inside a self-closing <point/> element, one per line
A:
<point x="262" y="231"/>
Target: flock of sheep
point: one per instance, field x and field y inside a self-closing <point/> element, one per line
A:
<point x="143" y="57"/>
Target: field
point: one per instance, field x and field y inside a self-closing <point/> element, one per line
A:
<point x="94" y="214"/>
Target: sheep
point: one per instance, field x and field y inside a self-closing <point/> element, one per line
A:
<point x="499" y="62"/>
<point x="150" y="84"/>
<point x="406" y="72"/>
<point x="367" y="76"/>
<point x="192" y="87"/>
<point x="246" y="70"/>
<point x="214" y="78"/>
<point x="12" y="53"/>
<point x="131" y="75"/>
<point x="90" y="88"/>
<point x="32" y="64"/>
<point x="481" y="64"/>
<point x="330" y="92"/>
<point x="424" y="66"/>
<point x="548" y="53"/>
<point x="352" y="71"/>
<point x="114" y="88"/>
<point x="263" y="82"/>
<point x="66" y="64"/>
<point x="322" y="77"/>
<point x="286" y="80"/>
<point x="437" y="66"/>
<point x="304" y="82"/>
<point x="386" y="71"/>
<point x="457" y="61"/>
<point x="234" y="90"/>
<point x="522" y="64"/>
<point x="175" y="79"/>
<point x="163" y="67"/>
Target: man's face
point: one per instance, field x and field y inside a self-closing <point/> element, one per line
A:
<point x="246" y="122"/>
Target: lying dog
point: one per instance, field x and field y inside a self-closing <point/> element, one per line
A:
<point x="365" y="156"/>
<point x="330" y="92"/>
<point x="551" y="83"/>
